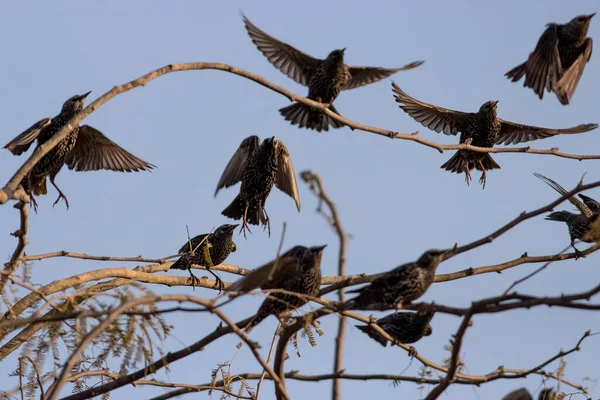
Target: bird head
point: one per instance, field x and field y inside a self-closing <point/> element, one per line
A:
<point x="428" y="330"/>
<point x="75" y="103"/>
<point x="489" y="107"/>
<point x="581" y="23"/>
<point x="336" y="55"/>
<point x="431" y="258"/>
<point x="313" y="255"/>
<point x="269" y="142"/>
<point x="226" y="229"/>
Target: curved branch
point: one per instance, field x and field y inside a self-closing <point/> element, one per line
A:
<point x="11" y="189"/>
<point x="21" y="235"/>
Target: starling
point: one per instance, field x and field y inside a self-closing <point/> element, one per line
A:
<point x="302" y="276"/>
<point x="592" y="204"/>
<point x="220" y="245"/>
<point x="523" y="394"/>
<point x="259" y="167"/>
<point x="84" y="149"/>
<point x="325" y="78"/>
<point x="558" y="60"/>
<point x="584" y="226"/>
<point x="405" y="327"/>
<point x="482" y="129"/>
<point x="400" y="286"/>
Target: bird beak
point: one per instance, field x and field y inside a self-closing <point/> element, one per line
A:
<point x="495" y="103"/>
<point x="83" y="96"/>
<point x="320" y="248"/>
<point x="273" y="139"/>
<point x="343" y="50"/>
<point x="590" y="16"/>
<point x="233" y="226"/>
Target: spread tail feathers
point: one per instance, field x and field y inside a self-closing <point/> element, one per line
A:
<point x="254" y="216"/>
<point x="458" y="163"/>
<point x="37" y="189"/>
<point x="310" y="118"/>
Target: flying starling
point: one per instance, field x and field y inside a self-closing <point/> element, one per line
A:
<point x="325" y="78"/>
<point x="218" y="244"/>
<point x="584" y="226"/>
<point x="302" y="276"/>
<point x="259" y="167"/>
<point x="405" y="327"/>
<point x="558" y="60"/>
<point x="482" y="129"/>
<point x="400" y="286"/>
<point x="84" y="149"/>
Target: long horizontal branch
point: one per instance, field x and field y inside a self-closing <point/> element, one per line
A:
<point x="10" y="190"/>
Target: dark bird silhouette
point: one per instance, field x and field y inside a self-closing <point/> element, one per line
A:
<point x="259" y="167"/>
<point x="300" y="272"/>
<point x="482" y="129"/>
<point x="219" y="245"/>
<point x="558" y="60"/>
<point x="84" y="149"/>
<point x="325" y="78"/>
<point x="400" y="286"/>
<point x="584" y="226"/>
<point x="405" y="327"/>
<point x="523" y="394"/>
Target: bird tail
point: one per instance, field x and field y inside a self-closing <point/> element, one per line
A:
<point x="457" y="163"/>
<point x="373" y="334"/>
<point x="38" y="188"/>
<point x="180" y="264"/>
<point x="560" y="216"/>
<point x="517" y="72"/>
<point x="310" y="118"/>
<point x="254" y="216"/>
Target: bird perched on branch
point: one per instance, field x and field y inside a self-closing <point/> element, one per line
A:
<point x="557" y="62"/>
<point x="298" y="271"/>
<point x="400" y="286"/>
<point x="405" y="327"/>
<point x="207" y="250"/>
<point x="584" y="226"/>
<point x="83" y="149"/>
<point x="259" y="167"/>
<point x="325" y="78"/>
<point x="482" y="129"/>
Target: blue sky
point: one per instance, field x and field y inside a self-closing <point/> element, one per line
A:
<point x="393" y="197"/>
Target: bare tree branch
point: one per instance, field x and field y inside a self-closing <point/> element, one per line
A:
<point x="21" y="235"/>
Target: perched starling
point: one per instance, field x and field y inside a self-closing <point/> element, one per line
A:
<point x="405" y="327"/>
<point x="482" y="129"/>
<point x="584" y="226"/>
<point x="259" y="167"/>
<point x="220" y="245"/>
<point x="302" y="276"/>
<point x="400" y="286"/>
<point x="558" y="60"/>
<point x="325" y="78"/>
<point x="84" y="149"/>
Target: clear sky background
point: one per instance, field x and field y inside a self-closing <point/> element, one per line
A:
<point x="392" y="196"/>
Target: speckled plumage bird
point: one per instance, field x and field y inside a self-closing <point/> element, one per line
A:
<point x="83" y="149"/>
<point x="482" y="129"/>
<point x="325" y="78"/>
<point x="558" y="60"/>
<point x="400" y="286"/>
<point x="302" y="276"/>
<point x="220" y="246"/>
<point x="405" y="327"/>
<point x="259" y="167"/>
<point x="584" y="226"/>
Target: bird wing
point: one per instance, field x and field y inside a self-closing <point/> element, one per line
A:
<point x="234" y="171"/>
<point x="544" y="67"/>
<point x="195" y="242"/>
<point x="572" y="199"/>
<point x="513" y="133"/>
<point x="94" y="151"/>
<point x="292" y="62"/>
<point x="21" y="143"/>
<point x="285" y="178"/>
<point x="593" y="205"/>
<point x="268" y="276"/>
<point x="519" y="394"/>
<point x="360" y="76"/>
<point x="565" y="87"/>
<point x="435" y="118"/>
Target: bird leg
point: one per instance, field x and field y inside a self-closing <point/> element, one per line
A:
<point x="218" y="281"/>
<point x="483" y="174"/>
<point x="245" y="223"/>
<point x="33" y="203"/>
<point x="268" y="221"/>
<point x="578" y="254"/>
<point x="467" y="173"/>
<point x="61" y="195"/>
<point x="193" y="279"/>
